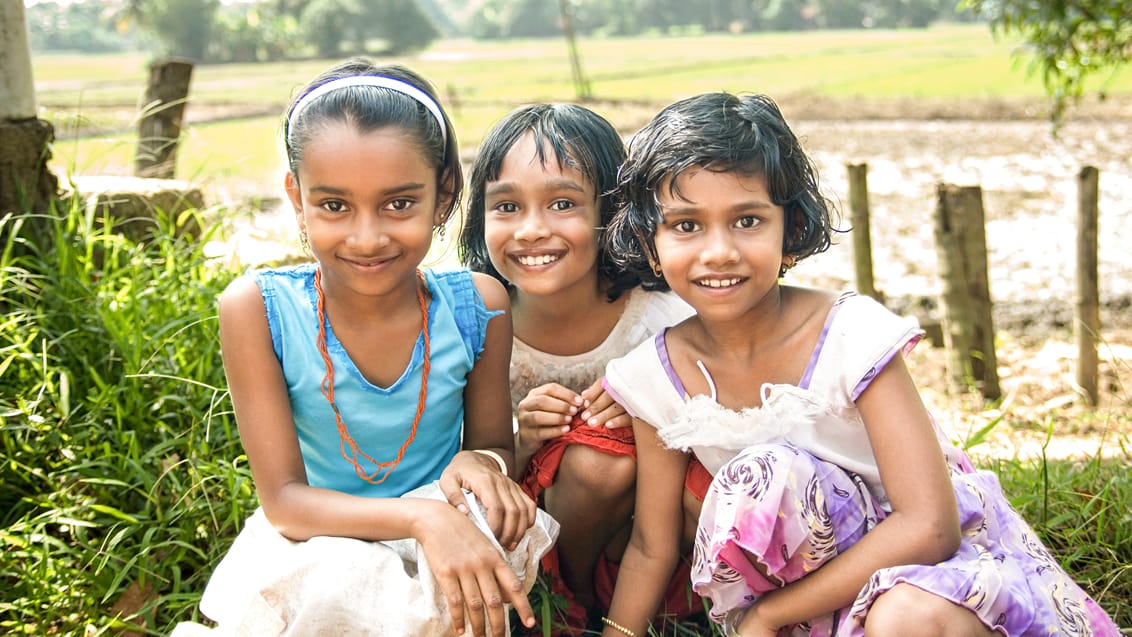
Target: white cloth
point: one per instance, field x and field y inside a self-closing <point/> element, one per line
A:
<point x="269" y="585"/>
<point x="645" y="314"/>
<point x="820" y="416"/>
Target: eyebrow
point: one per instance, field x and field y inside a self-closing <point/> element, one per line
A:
<point x="507" y="187"/>
<point x="395" y="190"/>
<point x="692" y="209"/>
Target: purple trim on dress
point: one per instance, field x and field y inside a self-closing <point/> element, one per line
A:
<point x="881" y="363"/>
<point x="617" y="398"/>
<point x="662" y="353"/>
<point x="810" y="366"/>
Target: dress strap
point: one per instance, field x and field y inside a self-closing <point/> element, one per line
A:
<point x="708" y="378"/>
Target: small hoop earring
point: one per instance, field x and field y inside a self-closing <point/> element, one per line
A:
<point x="657" y="270"/>
<point x="788" y="261"/>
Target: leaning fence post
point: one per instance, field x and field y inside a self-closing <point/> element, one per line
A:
<point x="159" y="121"/>
<point x="1087" y="320"/>
<point x="968" y="326"/>
<point x="862" y="241"/>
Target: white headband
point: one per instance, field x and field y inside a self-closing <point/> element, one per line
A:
<point x="372" y="80"/>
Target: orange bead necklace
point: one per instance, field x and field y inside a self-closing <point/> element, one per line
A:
<point x="348" y="446"/>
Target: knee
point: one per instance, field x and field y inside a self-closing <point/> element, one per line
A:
<point x="905" y="609"/>
<point x="601" y="476"/>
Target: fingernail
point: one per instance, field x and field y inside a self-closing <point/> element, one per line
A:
<point x="573" y="410"/>
<point x="586" y="415"/>
<point x="578" y="400"/>
<point x="591" y="422"/>
<point x="566" y="429"/>
<point x="462" y="508"/>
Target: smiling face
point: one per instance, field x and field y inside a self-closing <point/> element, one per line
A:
<point x="720" y="242"/>
<point x="368" y="203"/>
<point x="540" y="223"/>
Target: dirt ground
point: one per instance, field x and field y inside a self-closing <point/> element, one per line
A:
<point x="1028" y="178"/>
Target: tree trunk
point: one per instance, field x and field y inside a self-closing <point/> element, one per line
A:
<point x="163" y="109"/>
<point x="26" y="184"/>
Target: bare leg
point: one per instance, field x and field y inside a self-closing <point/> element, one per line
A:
<point x="907" y="610"/>
<point x="592" y="498"/>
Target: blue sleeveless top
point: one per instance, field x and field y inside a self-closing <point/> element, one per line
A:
<point x="379" y="419"/>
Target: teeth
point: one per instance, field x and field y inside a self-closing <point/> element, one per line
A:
<point x="539" y="260"/>
<point x="719" y="283"/>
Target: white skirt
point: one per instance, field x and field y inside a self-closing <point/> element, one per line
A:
<point x="269" y="585"/>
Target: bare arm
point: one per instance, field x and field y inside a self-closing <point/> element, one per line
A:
<point x="654" y="548"/>
<point x="923" y="527"/>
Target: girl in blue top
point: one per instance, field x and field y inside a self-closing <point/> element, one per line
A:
<point x="371" y="396"/>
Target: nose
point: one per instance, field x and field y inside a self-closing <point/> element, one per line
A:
<point x="719" y="247"/>
<point x="531" y="226"/>
<point x="368" y="234"/>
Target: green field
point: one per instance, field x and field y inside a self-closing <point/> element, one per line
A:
<point x="480" y="81"/>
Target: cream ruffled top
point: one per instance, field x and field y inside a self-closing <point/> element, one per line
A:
<point x="645" y="314"/>
<point x="819" y="415"/>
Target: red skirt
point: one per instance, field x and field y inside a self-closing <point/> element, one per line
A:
<point x="679" y="601"/>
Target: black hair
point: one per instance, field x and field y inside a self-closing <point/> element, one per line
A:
<point x="576" y="137"/>
<point x="369" y="108"/>
<point x="725" y="133"/>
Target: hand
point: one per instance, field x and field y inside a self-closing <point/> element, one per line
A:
<point x="601" y="409"/>
<point x="509" y="511"/>
<point x="545" y="414"/>
<point x="752" y="625"/>
<point x="471" y="573"/>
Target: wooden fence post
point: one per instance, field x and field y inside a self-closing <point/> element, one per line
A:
<point x="862" y="240"/>
<point x="1087" y="318"/>
<point x="159" y="124"/>
<point x="968" y="326"/>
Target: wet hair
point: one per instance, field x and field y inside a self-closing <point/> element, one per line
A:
<point x="369" y="108"/>
<point x="573" y="136"/>
<point x="724" y="133"/>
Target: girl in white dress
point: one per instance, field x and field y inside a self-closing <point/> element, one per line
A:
<point x="837" y="507"/>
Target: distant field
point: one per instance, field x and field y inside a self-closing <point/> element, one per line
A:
<point x="480" y="81"/>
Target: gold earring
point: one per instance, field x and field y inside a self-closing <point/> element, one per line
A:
<point x="657" y="270"/>
<point x="440" y="229"/>
<point x="788" y="262"/>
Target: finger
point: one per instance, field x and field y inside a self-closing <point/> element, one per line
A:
<point x="492" y="501"/>
<point x="451" y="485"/>
<point x="473" y="602"/>
<point x="591" y="393"/>
<point x="513" y="520"/>
<point x="512" y="590"/>
<point x="617" y="422"/>
<point x="553" y="392"/>
<point x="455" y="597"/>
<point x="493" y="602"/>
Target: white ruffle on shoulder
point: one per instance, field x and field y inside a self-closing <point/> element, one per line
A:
<point x="269" y="585"/>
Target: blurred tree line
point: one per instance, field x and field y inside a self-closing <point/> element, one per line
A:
<point x="263" y="30"/>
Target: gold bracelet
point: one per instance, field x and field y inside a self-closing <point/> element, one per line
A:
<point x="615" y="626"/>
<point x="494" y="456"/>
